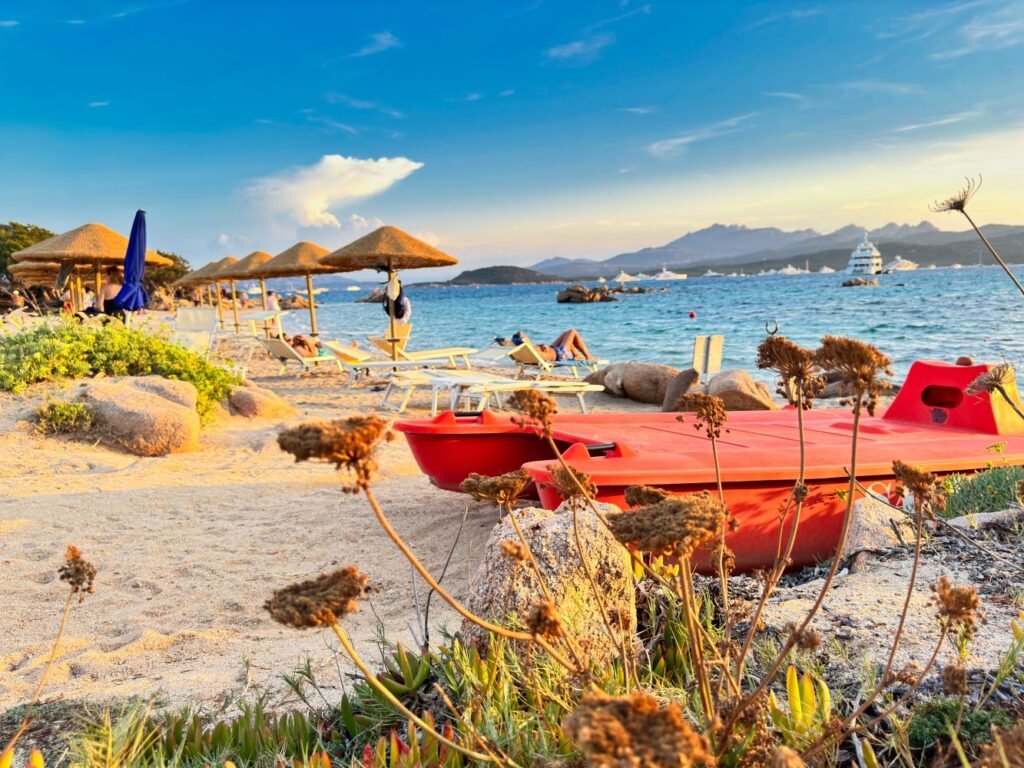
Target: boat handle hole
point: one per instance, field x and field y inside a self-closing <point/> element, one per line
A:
<point x="936" y="396"/>
<point x="599" y="449"/>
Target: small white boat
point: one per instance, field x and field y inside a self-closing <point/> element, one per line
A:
<point x="865" y="259"/>
<point x="622" y="277"/>
<point x="789" y="269"/>
<point x="666" y="274"/>
<point x="601" y="280"/>
<point x="642" y="276"/>
<point x="826" y="270"/>
<point x="899" y="264"/>
<point x="354" y="288"/>
<point x="712" y="273"/>
<point x="956" y="266"/>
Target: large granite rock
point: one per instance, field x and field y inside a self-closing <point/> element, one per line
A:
<point x="505" y="588"/>
<point x="739" y="392"/>
<point x="255" y="402"/>
<point x="147" y="416"/>
<point x="580" y="294"/>
<point x="643" y="382"/>
<point x="876" y="527"/>
<point x="683" y="382"/>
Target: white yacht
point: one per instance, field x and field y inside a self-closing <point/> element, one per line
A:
<point x="712" y="273"/>
<point x="789" y="269"/>
<point x="826" y="270"/>
<point x="865" y="259"/>
<point x="642" y="276"/>
<point x="601" y="280"/>
<point x="623" y="277"/>
<point x="353" y="288"/>
<point x="899" y="264"/>
<point x="666" y="274"/>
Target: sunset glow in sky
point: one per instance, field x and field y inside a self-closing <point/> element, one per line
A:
<point x="504" y="132"/>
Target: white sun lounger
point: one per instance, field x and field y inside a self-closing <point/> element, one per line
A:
<point x="470" y="385"/>
<point x="285" y="353"/>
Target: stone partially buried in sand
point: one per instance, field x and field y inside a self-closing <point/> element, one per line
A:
<point x="254" y="402"/>
<point x="642" y="382"/>
<point x="739" y="392"/>
<point x="130" y="413"/>
<point x="505" y="588"/>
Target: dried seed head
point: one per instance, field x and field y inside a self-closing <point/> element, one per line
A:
<point x="78" y="572"/>
<point x="538" y="409"/>
<point x="502" y="491"/>
<point x="958" y="202"/>
<point x="785" y="757"/>
<point x="543" y="621"/>
<point x="674" y="526"/>
<point x="958" y="606"/>
<point x="927" y="489"/>
<point x="998" y="377"/>
<point x="347" y="443"/>
<point x="514" y="550"/>
<point x="954" y="680"/>
<point x="318" y="602"/>
<point x="808" y="640"/>
<point x="642" y="495"/>
<point x="709" y="410"/>
<point x="800" y="492"/>
<point x="569" y="481"/>
<point x="1006" y="749"/>
<point x="634" y="731"/>
<point x="802" y="380"/>
<point x="858" y="366"/>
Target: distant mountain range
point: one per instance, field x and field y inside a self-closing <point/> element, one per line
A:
<point x="740" y="247"/>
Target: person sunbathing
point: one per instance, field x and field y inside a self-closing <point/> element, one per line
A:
<point x="568" y="346"/>
<point x="302" y="345"/>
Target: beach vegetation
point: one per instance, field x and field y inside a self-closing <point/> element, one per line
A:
<point x="933" y="722"/>
<point x="16" y="237"/>
<point x="68" y="350"/>
<point x="992" y="490"/>
<point x="160" y="277"/>
<point x="61" y="417"/>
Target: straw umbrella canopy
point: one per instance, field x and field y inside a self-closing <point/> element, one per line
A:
<point x="207" y="275"/>
<point x="90" y="244"/>
<point x="304" y="259"/>
<point x="242" y="270"/>
<point x="388" y="249"/>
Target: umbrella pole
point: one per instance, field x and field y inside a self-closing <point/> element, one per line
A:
<point x="220" y="306"/>
<point x="234" y="306"/>
<point x="312" y="304"/>
<point x="99" y="284"/>
<point x="391" y="320"/>
<point x="263" y="292"/>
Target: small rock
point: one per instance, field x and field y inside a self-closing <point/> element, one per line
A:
<point x="677" y="387"/>
<point x="131" y="414"/>
<point x="871" y="529"/>
<point x="984" y="520"/>
<point x="739" y="392"/>
<point x="254" y="402"/>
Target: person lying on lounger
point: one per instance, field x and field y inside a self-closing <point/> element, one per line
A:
<point x="302" y="345"/>
<point x="568" y="346"/>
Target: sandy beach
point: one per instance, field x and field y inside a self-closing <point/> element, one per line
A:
<point x="190" y="545"/>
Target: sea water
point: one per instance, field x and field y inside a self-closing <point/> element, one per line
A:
<point x="933" y="314"/>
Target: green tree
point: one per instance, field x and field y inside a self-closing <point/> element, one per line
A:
<point x="15" y="237"/>
<point x="158" y="277"/>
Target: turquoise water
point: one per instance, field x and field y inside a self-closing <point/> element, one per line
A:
<point x="937" y="314"/>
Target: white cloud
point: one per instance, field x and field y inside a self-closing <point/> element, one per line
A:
<point x="306" y="194"/>
<point x="379" y="42"/>
<point x="999" y="29"/>
<point x="580" y="51"/>
<point x="666" y="148"/>
<point x="8" y="23"/>
<point x="330" y="124"/>
<point x="507" y="92"/>
<point x="788" y="95"/>
<point x="949" y="120"/>
<point x="341" y="98"/>
<point x="639" y="110"/>
<point x="472" y="97"/>
<point x="76" y="22"/>
<point x="881" y="86"/>
<point x="223" y="239"/>
<point x="98" y="104"/>
<point x="642" y="9"/>
<point x="794" y="15"/>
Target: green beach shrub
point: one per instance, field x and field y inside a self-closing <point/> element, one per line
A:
<point x="989" y="491"/>
<point x="931" y="722"/>
<point x="59" y="417"/>
<point x="69" y="350"/>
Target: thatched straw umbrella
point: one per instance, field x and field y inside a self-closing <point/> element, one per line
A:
<point x="91" y="244"/>
<point x="208" y="275"/>
<point x="244" y="268"/>
<point x="388" y="249"/>
<point x="301" y="260"/>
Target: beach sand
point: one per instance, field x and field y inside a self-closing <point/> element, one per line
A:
<point x="189" y="546"/>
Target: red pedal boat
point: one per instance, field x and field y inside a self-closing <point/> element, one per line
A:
<point x="932" y="423"/>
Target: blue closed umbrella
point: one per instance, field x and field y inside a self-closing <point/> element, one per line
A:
<point x="132" y="296"/>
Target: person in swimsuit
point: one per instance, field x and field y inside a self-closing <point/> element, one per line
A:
<point x="302" y="345"/>
<point x="108" y="292"/>
<point x="568" y="346"/>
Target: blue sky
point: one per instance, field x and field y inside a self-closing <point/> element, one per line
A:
<point x="504" y="132"/>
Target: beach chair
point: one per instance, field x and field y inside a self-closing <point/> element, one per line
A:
<point x="538" y="366"/>
<point x="194" y="329"/>
<point x="285" y="353"/>
<point x="454" y="355"/>
<point x="469" y="385"/>
<point x="359" y="362"/>
<point x="707" y="355"/>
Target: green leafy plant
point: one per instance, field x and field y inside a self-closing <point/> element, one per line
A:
<point x="931" y="721"/>
<point x="989" y="491"/>
<point x="415" y="751"/>
<point x="808" y="709"/>
<point x="59" y="417"/>
<point x="69" y="350"/>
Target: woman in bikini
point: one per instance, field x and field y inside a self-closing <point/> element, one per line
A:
<point x="568" y="346"/>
